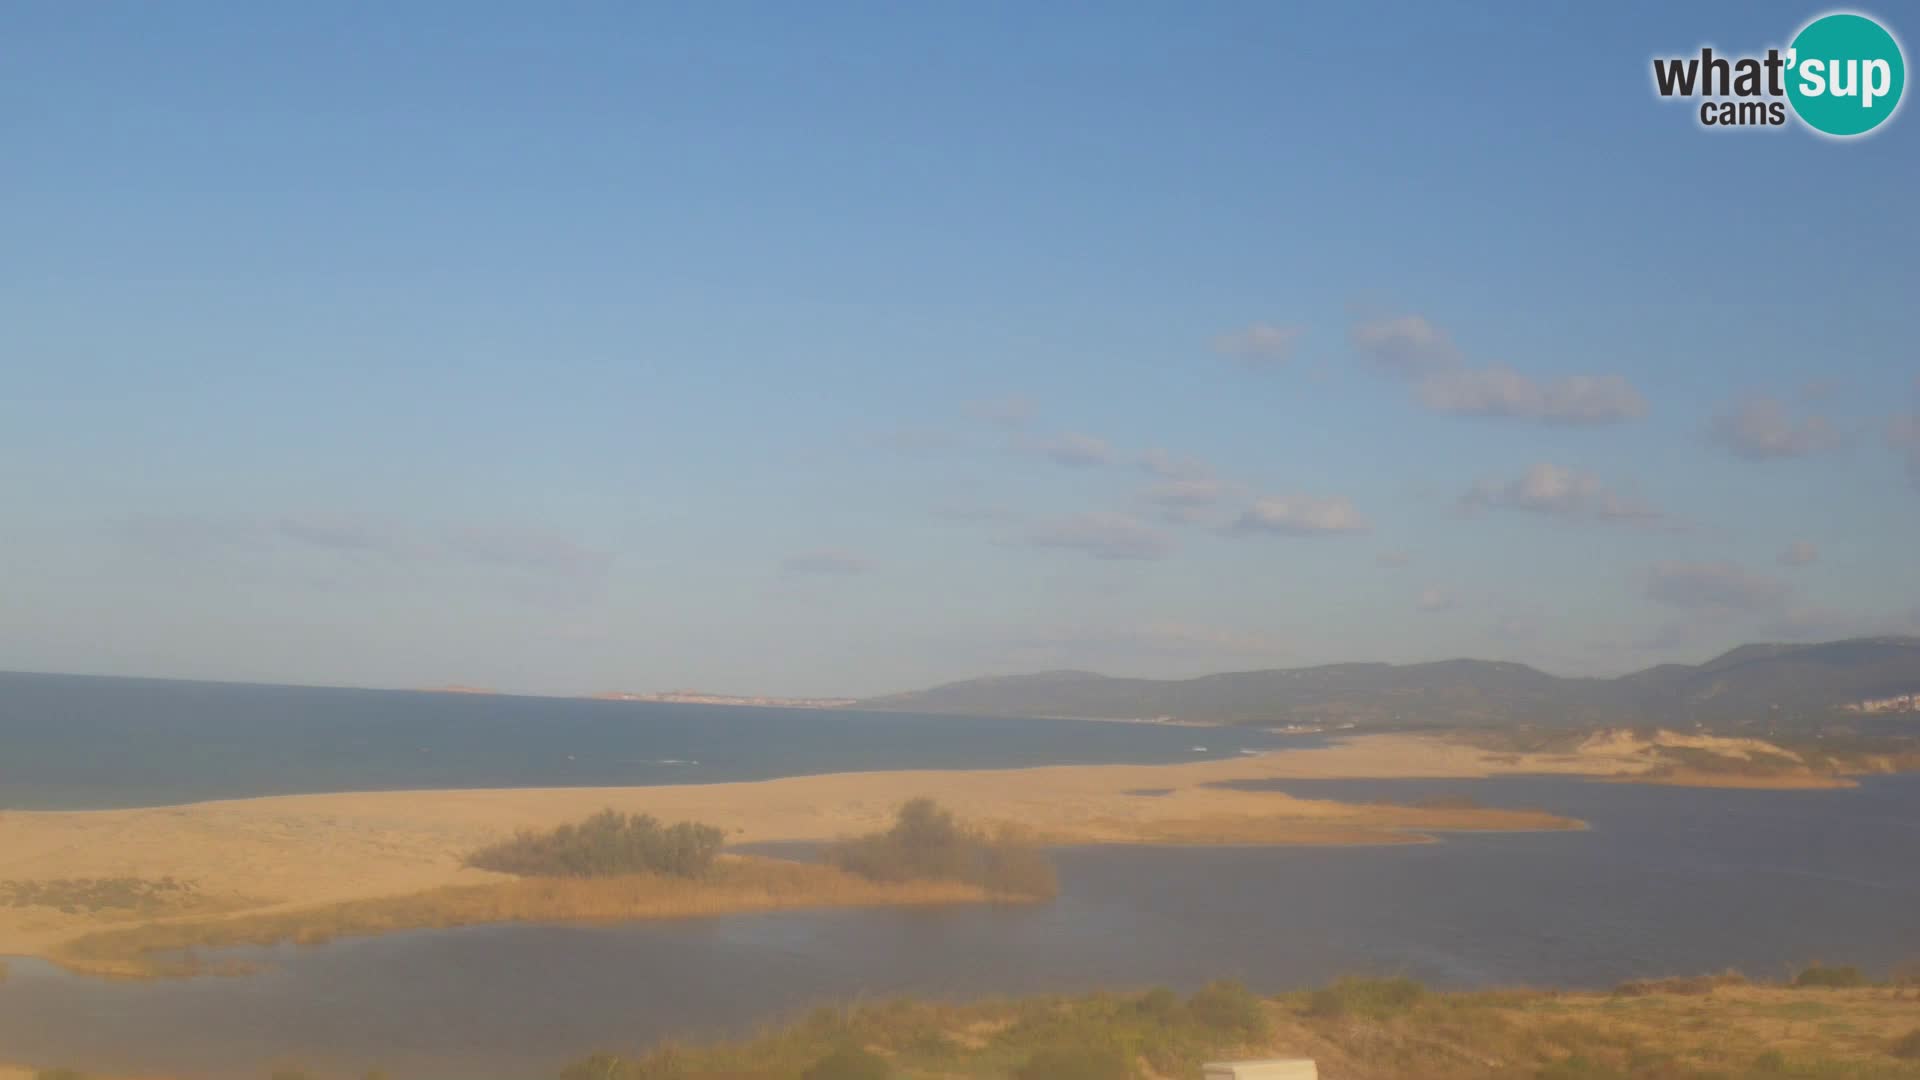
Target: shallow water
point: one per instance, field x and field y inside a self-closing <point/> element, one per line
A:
<point x="1668" y="880"/>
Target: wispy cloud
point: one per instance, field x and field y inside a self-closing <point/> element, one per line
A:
<point x="1761" y="428"/>
<point x="1546" y="488"/>
<point x="1719" y="586"/>
<point x="529" y="549"/>
<point x="1500" y="391"/>
<point x="1103" y="535"/>
<point x="343" y="534"/>
<point x="1403" y="345"/>
<point x="1903" y="435"/>
<point x="1799" y="553"/>
<point x="1392" y="560"/>
<point x="1412" y="348"/>
<point x="1302" y="515"/>
<point x="1169" y="466"/>
<point x="826" y="561"/>
<point x="1074" y="449"/>
<point x="1434" y="598"/>
<point x="1261" y="344"/>
<point x="1011" y="412"/>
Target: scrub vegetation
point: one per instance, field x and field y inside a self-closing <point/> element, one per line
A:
<point x="926" y="843"/>
<point x="1714" y="1027"/>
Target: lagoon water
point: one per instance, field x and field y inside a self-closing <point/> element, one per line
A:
<point x="1667" y="880"/>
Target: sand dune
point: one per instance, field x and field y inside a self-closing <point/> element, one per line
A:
<point x="268" y="854"/>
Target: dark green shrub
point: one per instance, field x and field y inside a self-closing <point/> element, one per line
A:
<point x="1825" y="975"/>
<point x="1907" y="1046"/>
<point x="927" y="844"/>
<point x="1159" y="1003"/>
<point x="1376" y="998"/>
<point x="607" y="844"/>
<point x="848" y="1063"/>
<point x="1230" y="1007"/>
<point x="1076" y="1063"/>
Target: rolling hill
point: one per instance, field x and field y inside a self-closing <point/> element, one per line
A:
<point x="1774" y="686"/>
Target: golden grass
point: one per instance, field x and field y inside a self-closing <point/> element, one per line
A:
<point x="736" y="884"/>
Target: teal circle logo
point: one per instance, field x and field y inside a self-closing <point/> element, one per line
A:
<point x="1845" y="74"/>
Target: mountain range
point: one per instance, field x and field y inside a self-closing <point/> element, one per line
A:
<point x="1765" y="686"/>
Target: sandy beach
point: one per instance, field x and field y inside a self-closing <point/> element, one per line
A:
<point x="254" y="856"/>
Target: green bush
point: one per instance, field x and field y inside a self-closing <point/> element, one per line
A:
<point x="1824" y="975"/>
<point x="848" y="1063"/>
<point x="1159" y="1003"/>
<point x="1076" y="1063"/>
<point x="1230" y="1007"/>
<point x="1907" y="1046"/>
<point x="927" y="844"/>
<point x="1376" y="998"/>
<point x="607" y="844"/>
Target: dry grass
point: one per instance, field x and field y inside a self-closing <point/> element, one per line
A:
<point x="1360" y="1029"/>
<point x="735" y="884"/>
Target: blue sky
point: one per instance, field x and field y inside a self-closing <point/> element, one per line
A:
<point x="847" y="348"/>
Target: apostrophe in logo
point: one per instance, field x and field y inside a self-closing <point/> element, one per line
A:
<point x="1842" y="76"/>
<point x="1845" y="74"/>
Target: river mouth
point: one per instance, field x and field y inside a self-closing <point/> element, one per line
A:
<point x="1667" y="880"/>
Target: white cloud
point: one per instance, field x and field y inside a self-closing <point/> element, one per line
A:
<point x="1799" y="553"/>
<point x="1261" y="343"/>
<point x="1500" y="391"/>
<point x="1102" y="535"/>
<point x="1435" y="599"/>
<point x="1302" y="515"/>
<point x="1717" y="586"/>
<point x="1404" y="345"/>
<point x="1760" y="428"/>
<point x="1550" y="489"/>
<point x="826" y="561"/>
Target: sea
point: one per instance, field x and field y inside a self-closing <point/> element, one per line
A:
<point x="1665" y="881"/>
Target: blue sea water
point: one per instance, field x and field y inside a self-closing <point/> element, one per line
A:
<point x="78" y="742"/>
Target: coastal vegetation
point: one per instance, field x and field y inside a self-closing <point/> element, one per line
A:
<point x="1714" y="1027"/>
<point x="607" y="844"/>
<point x="147" y="896"/>
<point x="926" y="843"/>
<point x="614" y="867"/>
<point x="731" y="884"/>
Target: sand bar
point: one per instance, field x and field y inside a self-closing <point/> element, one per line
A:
<point x="271" y="854"/>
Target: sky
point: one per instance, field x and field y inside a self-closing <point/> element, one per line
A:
<point x="848" y="348"/>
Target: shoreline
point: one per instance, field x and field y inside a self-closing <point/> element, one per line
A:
<point x="261" y="858"/>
